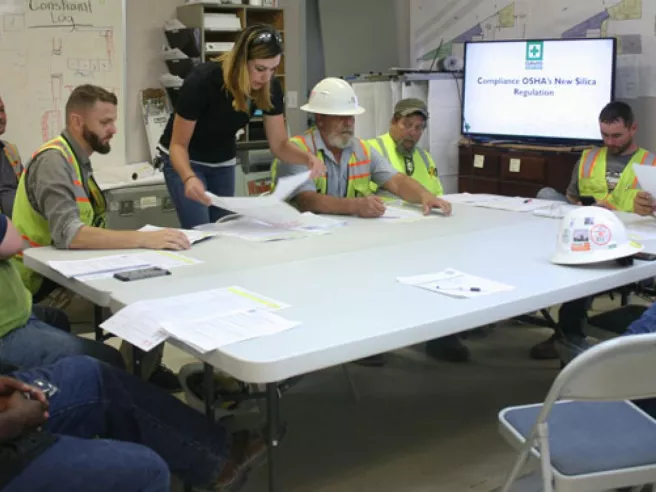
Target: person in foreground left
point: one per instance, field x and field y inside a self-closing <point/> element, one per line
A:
<point x="81" y="425"/>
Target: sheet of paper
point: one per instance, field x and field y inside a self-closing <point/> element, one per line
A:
<point x="556" y="210"/>
<point x="253" y="230"/>
<point x="471" y="198"/>
<point x="287" y="185"/>
<point x="646" y="177"/>
<point x="642" y="230"/>
<point x="516" y="204"/>
<point x="194" y="235"/>
<point x="398" y="214"/>
<point x="216" y="332"/>
<point x="167" y="260"/>
<point x="104" y="264"/>
<point x="455" y="283"/>
<point x="142" y="323"/>
<point x="137" y="327"/>
<point x="267" y="209"/>
<point x="313" y="222"/>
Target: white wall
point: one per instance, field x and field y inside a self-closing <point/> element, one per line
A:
<point x="144" y="39"/>
<point x="359" y="36"/>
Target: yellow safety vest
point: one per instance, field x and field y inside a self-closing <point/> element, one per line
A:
<point x="359" y="165"/>
<point x="424" y="169"/>
<point x="11" y="152"/>
<point x="33" y="226"/>
<point x="592" y="178"/>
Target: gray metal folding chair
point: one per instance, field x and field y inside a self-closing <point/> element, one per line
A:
<point x="586" y="435"/>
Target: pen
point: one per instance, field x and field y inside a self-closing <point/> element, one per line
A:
<point x="528" y="200"/>
<point x="471" y="289"/>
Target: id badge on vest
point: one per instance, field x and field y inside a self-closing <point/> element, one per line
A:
<point x="409" y="165"/>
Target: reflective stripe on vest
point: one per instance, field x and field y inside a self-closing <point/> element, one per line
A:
<point x="11" y="152"/>
<point x="588" y="163"/>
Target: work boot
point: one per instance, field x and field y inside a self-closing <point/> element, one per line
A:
<point x="449" y="349"/>
<point x="545" y="350"/>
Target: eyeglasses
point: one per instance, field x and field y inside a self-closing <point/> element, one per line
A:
<point x="267" y="37"/>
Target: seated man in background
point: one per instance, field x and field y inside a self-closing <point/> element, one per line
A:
<point x="82" y="425"/>
<point x="10" y="168"/>
<point x="352" y="165"/>
<point x="400" y="147"/>
<point x="604" y="175"/>
<point x="59" y="203"/>
<point x="25" y="341"/>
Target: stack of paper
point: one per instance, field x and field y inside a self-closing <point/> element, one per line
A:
<point x="194" y="236"/>
<point x="399" y="214"/>
<point x="454" y="283"/>
<point x="516" y="204"/>
<point x="205" y="320"/>
<point x="555" y="210"/>
<point x="106" y="266"/>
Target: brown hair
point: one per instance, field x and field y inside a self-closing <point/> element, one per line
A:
<point x="249" y="46"/>
<point x="86" y="96"/>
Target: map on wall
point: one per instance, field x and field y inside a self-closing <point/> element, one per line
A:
<point x="441" y="28"/>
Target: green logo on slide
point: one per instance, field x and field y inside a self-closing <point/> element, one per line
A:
<point x="534" y="55"/>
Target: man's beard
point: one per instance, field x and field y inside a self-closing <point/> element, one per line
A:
<point x="403" y="150"/>
<point x="341" y="140"/>
<point x="94" y="141"/>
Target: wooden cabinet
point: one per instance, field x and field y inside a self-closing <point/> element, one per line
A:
<point x="514" y="171"/>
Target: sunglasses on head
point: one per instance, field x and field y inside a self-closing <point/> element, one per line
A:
<point x="268" y="37"/>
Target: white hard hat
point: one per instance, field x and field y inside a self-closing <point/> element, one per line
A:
<point x="592" y="235"/>
<point x="333" y="96"/>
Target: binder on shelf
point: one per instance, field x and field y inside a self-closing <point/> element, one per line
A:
<point x="187" y="40"/>
<point x="181" y="67"/>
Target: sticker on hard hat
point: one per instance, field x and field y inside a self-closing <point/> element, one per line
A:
<point x="581" y="236"/>
<point x="588" y="221"/>
<point x="601" y="235"/>
<point x="580" y="246"/>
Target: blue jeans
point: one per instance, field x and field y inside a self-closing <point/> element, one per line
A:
<point x="36" y="344"/>
<point x="118" y="433"/>
<point x="218" y="180"/>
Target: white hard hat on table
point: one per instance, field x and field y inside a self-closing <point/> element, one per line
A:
<point x="333" y="96"/>
<point x="592" y="235"/>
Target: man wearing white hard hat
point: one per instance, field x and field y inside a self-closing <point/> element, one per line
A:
<point x="352" y="165"/>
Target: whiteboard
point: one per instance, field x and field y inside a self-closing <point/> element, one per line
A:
<point x="47" y="48"/>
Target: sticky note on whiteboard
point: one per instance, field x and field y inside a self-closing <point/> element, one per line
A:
<point x="515" y="165"/>
<point x="479" y="161"/>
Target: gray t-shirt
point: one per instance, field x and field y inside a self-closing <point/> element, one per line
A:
<point x="51" y="192"/>
<point x="8" y="184"/>
<point x="615" y="164"/>
<point x="337" y="172"/>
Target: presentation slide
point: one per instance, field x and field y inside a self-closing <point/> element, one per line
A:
<point x="548" y="89"/>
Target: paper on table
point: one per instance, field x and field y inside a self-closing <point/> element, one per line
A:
<point x="642" y="229"/>
<point x="194" y="235"/>
<point x="646" y="177"/>
<point x="397" y="214"/>
<point x="287" y="185"/>
<point x="454" y="283"/>
<point x="136" y="326"/>
<point x="556" y="210"/>
<point x="253" y="230"/>
<point x="142" y="323"/>
<point x="267" y="209"/>
<point x="216" y="332"/>
<point x="516" y="204"/>
<point x="162" y="259"/>
<point x="470" y="198"/>
<point x="103" y="264"/>
<point x="312" y="222"/>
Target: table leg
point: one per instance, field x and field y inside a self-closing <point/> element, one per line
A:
<point x="137" y="359"/>
<point x="209" y="391"/>
<point x="96" y="320"/>
<point x="273" y="431"/>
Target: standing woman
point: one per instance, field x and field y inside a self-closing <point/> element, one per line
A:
<point x="198" y="146"/>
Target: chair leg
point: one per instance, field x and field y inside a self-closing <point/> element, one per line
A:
<point x="354" y="390"/>
<point x="519" y="463"/>
<point x="545" y="457"/>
